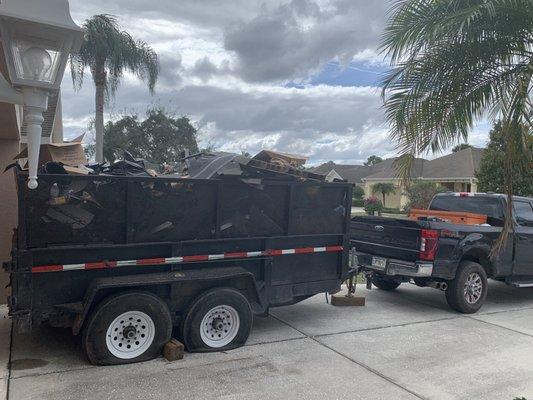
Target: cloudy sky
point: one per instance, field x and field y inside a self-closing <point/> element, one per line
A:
<point x="297" y="76"/>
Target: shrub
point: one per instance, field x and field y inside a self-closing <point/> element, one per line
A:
<point x="358" y="202"/>
<point x="420" y="194"/>
<point x="373" y="205"/>
<point x="358" y="193"/>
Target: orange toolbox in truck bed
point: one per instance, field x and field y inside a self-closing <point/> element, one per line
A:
<point x="456" y="217"/>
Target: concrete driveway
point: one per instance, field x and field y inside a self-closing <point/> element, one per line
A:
<point x="403" y="345"/>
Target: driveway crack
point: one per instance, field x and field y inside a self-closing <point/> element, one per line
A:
<point x="368" y="368"/>
<point x="500" y="326"/>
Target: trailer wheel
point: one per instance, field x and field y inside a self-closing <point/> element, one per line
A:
<point x="384" y="283"/>
<point x="219" y="319"/>
<point x="127" y="328"/>
<point x="466" y="293"/>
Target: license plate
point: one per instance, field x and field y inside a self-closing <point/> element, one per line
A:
<point x="379" y="262"/>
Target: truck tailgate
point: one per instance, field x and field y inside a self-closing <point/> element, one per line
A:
<point x="386" y="237"/>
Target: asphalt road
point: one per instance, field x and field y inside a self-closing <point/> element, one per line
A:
<point x="402" y="345"/>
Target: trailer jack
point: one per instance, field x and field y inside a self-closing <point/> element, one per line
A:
<point x="348" y="299"/>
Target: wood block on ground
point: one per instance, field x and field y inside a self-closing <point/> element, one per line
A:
<point x="173" y="350"/>
<point x="345" y="301"/>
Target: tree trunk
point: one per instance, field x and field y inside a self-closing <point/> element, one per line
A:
<point x="99" y="76"/>
<point x="99" y="123"/>
<point x="383" y="194"/>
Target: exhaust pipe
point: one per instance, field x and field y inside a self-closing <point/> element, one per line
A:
<point x="438" y="285"/>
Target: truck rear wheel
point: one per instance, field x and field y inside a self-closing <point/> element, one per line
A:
<point x="384" y="283"/>
<point x="127" y="328"/>
<point x="467" y="292"/>
<point x="219" y="319"/>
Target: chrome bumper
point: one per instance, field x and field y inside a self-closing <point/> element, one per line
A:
<point x="418" y="269"/>
<point x="415" y="270"/>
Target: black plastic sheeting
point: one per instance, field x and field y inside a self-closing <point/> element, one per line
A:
<point x="210" y="165"/>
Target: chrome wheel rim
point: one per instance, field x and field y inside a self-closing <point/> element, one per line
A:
<point x="473" y="288"/>
<point x="219" y="326"/>
<point x="130" y="334"/>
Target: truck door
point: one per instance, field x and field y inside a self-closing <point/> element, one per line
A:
<point x="523" y="263"/>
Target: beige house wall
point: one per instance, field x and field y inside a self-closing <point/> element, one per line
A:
<point x="8" y="208"/>
<point x="400" y="200"/>
<point x="394" y="200"/>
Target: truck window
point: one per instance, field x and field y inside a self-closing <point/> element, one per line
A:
<point x="523" y="213"/>
<point x="489" y="206"/>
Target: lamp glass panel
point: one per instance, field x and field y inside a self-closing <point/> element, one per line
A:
<point x="35" y="61"/>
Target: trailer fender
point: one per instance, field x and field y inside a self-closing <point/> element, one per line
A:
<point x="256" y="292"/>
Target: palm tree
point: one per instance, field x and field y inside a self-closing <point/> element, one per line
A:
<point x="455" y="61"/>
<point x="384" y="189"/>
<point x="108" y="52"/>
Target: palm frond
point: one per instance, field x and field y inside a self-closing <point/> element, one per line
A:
<point x="109" y="52"/>
<point x="453" y="62"/>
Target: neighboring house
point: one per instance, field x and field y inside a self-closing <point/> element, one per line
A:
<point x="455" y="172"/>
<point x="351" y="173"/>
<point x="332" y="175"/>
<point x="12" y="137"/>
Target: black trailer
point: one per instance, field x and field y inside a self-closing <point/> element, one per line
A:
<point x="122" y="260"/>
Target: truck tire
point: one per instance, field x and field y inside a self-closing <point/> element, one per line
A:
<point x="219" y="319"/>
<point x="384" y="283"/>
<point x="127" y="328"/>
<point x="467" y="292"/>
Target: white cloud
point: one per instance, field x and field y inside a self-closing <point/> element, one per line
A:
<point x="224" y="64"/>
<point x="299" y="37"/>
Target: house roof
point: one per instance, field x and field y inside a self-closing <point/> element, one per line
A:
<point x="389" y="170"/>
<point x="462" y="164"/>
<point x="354" y="173"/>
<point x="459" y="165"/>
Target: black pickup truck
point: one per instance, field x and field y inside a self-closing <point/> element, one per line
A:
<point x="451" y="257"/>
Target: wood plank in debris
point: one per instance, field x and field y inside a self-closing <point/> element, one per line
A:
<point x="285" y="169"/>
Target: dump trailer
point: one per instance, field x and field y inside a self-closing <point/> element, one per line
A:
<point x="125" y="260"/>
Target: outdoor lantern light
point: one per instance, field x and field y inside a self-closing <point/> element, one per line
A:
<point x="37" y="37"/>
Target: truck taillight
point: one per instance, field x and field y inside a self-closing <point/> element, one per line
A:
<point x="429" y="240"/>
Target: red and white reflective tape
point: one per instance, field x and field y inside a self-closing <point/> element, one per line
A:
<point x="183" y="259"/>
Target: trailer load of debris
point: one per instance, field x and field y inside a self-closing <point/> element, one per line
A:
<point x="174" y="202"/>
<point x="60" y="159"/>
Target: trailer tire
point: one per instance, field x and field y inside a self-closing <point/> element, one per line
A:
<point x="384" y="283"/>
<point x="219" y="319"/>
<point x="467" y="292"/>
<point x="127" y="328"/>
